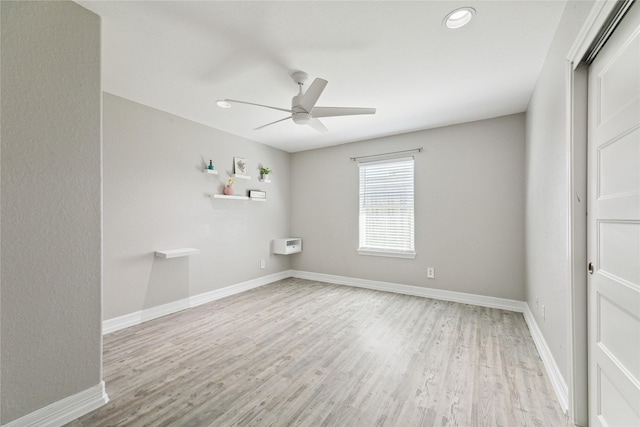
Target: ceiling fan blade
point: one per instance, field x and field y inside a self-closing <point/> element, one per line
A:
<point x="310" y="97"/>
<point x="317" y="125"/>
<point x="269" y="124"/>
<point x="340" y="111"/>
<point x="258" y="105"/>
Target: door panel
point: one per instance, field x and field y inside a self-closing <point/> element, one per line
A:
<point x="621" y="73"/>
<point x="619" y="165"/>
<point x="621" y="266"/>
<point x="618" y="326"/>
<point x="617" y="400"/>
<point x="614" y="228"/>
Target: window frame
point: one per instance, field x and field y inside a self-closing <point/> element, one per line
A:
<point x="409" y="251"/>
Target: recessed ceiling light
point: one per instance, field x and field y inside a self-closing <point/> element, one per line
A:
<point x="223" y="103"/>
<point x="459" y="17"/>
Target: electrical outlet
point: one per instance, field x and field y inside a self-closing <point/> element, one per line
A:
<point x="543" y="312"/>
<point x="263" y="264"/>
<point x="431" y="273"/>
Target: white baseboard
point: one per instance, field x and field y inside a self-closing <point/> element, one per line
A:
<point x="237" y="288"/>
<point x="132" y="319"/>
<point x="145" y="315"/>
<point x="557" y="381"/>
<point x="65" y="410"/>
<point x="480" y="300"/>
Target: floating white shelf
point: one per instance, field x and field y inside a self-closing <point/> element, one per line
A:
<point x="211" y="171"/>
<point x="224" y="196"/>
<point x="175" y="253"/>
<point x="241" y="176"/>
<point x="266" y="181"/>
<point x="290" y="245"/>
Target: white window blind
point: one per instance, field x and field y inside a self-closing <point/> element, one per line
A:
<point x="386" y="208"/>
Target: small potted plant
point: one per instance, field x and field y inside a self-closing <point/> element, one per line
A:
<point x="228" y="189"/>
<point x="264" y="174"/>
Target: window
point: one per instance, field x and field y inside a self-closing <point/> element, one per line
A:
<point x="386" y="208"/>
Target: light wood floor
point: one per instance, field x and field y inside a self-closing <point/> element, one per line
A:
<point x="305" y="353"/>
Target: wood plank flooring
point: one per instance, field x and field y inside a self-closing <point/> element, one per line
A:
<point x="304" y="353"/>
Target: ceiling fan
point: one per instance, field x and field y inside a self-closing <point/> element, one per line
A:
<point x="303" y="105"/>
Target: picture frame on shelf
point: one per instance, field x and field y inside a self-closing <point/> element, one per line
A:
<point x="240" y="166"/>
<point x="257" y="194"/>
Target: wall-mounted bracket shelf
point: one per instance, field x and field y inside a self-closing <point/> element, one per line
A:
<point x="175" y="253"/>
<point x="211" y="171"/>
<point x="241" y="176"/>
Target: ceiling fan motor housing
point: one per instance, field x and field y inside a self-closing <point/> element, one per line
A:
<point x="299" y="115"/>
<point x="301" y="118"/>
<point x="295" y="104"/>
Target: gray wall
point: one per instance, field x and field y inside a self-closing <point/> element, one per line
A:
<point x="469" y="209"/>
<point x="50" y="337"/>
<point x="547" y="190"/>
<point x="155" y="197"/>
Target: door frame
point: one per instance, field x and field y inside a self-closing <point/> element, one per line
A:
<point x="577" y="383"/>
<point x="576" y="79"/>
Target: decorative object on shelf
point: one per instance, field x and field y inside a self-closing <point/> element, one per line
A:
<point x="257" y="194"/>
<point x="264" y="174"/>
<point x="228" y="189"/>
<point x="210" y="169"/>
<point x="239" y="166"/>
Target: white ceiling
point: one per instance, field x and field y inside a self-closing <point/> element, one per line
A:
<point x="396" y="56"/>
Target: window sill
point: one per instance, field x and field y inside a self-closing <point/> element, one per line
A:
<point x="369" y="252"/>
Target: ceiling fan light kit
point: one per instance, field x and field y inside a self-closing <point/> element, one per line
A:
<point x="303" y="106"/>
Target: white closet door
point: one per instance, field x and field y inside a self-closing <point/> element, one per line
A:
<point x="614" y="228"/>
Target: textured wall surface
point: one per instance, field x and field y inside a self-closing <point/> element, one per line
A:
<point x="50" y="207"/>
<point x="547" y="190"/>
<point x="469" y="213"/>
<point x="156" y="197"/>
